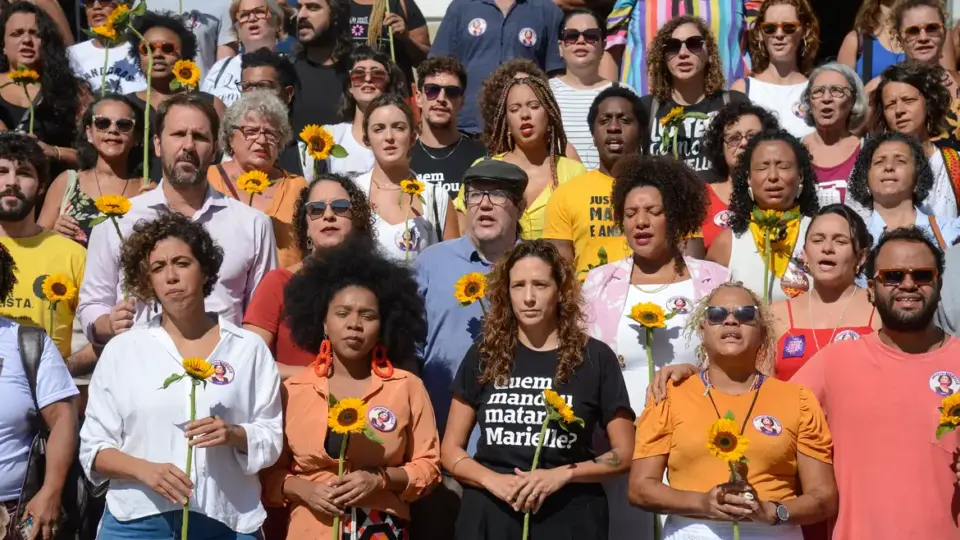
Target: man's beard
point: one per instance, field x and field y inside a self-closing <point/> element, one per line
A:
<point x="320" y="38"/>
<point x="913" y="321"/>
<point x="438" y="125"/>
<point x="176" y="178"/>
<point x="21" y="211"/>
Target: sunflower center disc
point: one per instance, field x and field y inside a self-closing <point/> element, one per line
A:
<point x="348" y="416"/>
<point x="59" y="288"/>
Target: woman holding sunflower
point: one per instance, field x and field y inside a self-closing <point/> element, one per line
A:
<point x="409" y="216"/>
<point x="363" y="318"/>
<point x="138" y="434"/>
<point x="534" y="344"/>
<point x="706" y="424"/>
<point x="253" y="132"/>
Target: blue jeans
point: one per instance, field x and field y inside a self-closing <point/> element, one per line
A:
<point x="166" y="526"/>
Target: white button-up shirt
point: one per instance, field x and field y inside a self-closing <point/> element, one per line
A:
<point x="244" y="234"/>
<point x="129" y="411"/>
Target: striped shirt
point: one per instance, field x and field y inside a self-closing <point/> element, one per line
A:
<point x="574" y="106"/>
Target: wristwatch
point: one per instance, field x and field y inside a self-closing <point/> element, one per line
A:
<point x="782" y="514"/>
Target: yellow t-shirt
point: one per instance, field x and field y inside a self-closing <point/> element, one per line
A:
<point x="581" y="212"/>
<point x="37" y="257"/>
<point x="531" y="222"/>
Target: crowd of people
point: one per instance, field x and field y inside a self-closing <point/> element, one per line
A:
<point x="658" y="275"/>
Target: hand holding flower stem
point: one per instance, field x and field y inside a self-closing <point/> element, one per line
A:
<point x="345" y="417"/>
<point x="413" y="188"/>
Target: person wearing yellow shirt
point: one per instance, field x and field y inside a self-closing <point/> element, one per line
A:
<point x="528" y="132"/>
<point x="39" y="253"/>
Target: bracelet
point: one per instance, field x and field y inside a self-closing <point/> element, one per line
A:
<point x="384" y="477"/>
<point x="457" y="462"/>
<point x="59" y="157"/>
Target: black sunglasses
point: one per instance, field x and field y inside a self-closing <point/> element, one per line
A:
<point x="432" y="91"/>
<point x="894" y="277"/>
<point x="717" y="315"/>
<point x="694" y="45"/>
<point x="317" y="209"/>
<point x="103" y="123"/>
<point x="591" y="36"/>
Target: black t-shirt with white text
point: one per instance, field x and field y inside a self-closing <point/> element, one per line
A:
<point x="317" y="99"/>
<point x="445" y="166"/>
<point x="692" y="136"/>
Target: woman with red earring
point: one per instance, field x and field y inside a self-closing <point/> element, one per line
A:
<point x="364" y="317"/>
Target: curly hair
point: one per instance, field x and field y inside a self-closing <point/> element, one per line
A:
<point x="498" y="345"/>
<point x="262" y="103"/>
<point x="492" y="90"/>
<point x="396" y="80"/>
<point x="730" y="114"/>
<point x="859" y="187"/>
<point x="87" y="155"/>
<point x="860" y="236"/>
<point x="767" y="352"/>
<point x="905" y="234"/>
<point x="807" y="52"/>
<point x="60" y="89"/>
<point x="136" y="249"/>
<point x="170" y="21"/>
<point x="928" y="81"/>
<point x="435" y="65"/>
<point x="360" y="213"/>
<point x="903" y="6"/>
<point x="741" y="204"/>
<point x="337" y="34"/>
<point x="21" y="148"/>
<point x="403" y="323"/>
<point x="684" y="199"/>
<point x="662" y="81"/>
<point x="8" y="274"/>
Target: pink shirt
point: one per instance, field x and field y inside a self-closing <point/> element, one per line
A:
<point x="894" y="477"/>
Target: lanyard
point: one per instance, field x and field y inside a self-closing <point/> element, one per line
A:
<point x="755" y="386"/>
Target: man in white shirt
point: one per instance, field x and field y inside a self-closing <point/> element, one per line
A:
<point x="88" y="57"/>
<point x="187" y="127"/>
<point x="209" y="20"/>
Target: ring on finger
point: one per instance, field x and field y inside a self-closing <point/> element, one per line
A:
<point x="749" y="496"/>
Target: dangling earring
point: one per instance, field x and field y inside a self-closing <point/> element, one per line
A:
<point x="750" y="192"/>
<point x="800" y="188"/>
<point x="380" y="364"/>
<point x="324" y="364"/>
<point x="509" y="141"/>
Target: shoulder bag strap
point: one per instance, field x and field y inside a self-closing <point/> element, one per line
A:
<point x="436" y="212"/>
<point x="30" y="341"/>
<point x="73" y="178"/>
<point x="223" y="68"/>
<point x="226" y="181"/>
<point x="867" y="56"/>
<point x="936" y="232"/>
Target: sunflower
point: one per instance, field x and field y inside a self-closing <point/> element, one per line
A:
<point x="411" y="187"/>
<point x="724" y="442"/>
<point x="198" y="368"/>
<point x="348" y="416"/>
<point x="58" y="288"/>
<point x="950" y="410"/>
<point x="470" y="288"/>
<point x="115" y="15"/>
<point x="253" y="182"/>
<point x="187" y="73"/>
<point x="106" y="31"/>
<point x="112" y="205"/>
<point x="558" y="404"/>
<point x="319" y="141"/>
<point x="671" y="116"/>
<point x="649" y="315"/>
<point x="24" y="75"/>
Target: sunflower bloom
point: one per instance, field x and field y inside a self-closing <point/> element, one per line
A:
<point x="115" y="15"/>
<point x="554" y="400"/>
<point x="411" y="187"/>
<point x="106" y="31"/>
<point x="649" y="315"/>
<point x="950" y="410"/>
<point x="724" y="441"/>
<point x="58" y="288"/>
<point x="470" y="288"/>
<point x="671" y="116"/>
<point x="24" y="75"/>
<point x="349" y="415"/>
<point x="197" y="368"/>
<point x="253" y="182"/>
<point x="112" y="205"/>
<point x="187" y="73"/>
<point x="319" y="141"/>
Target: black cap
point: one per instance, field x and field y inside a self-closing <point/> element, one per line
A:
<point x="514" y="178"/>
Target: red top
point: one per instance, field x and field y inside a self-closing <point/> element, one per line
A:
<point x="798" y="345"/>
<point x="718" y="217"/>
<point x="266" y="311"/>
<point x="835" y="177"/>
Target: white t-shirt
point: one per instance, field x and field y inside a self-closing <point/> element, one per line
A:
<point x="222" y="80"/>
<point x="53" y="384"/>
<point x="123" y="75"/>
<point x="783" y="100"/>
<point x="418" y="233"/>
<point x="209" y="20"/>
<point x="359" y="158"/>
<point x="941" y="201"/>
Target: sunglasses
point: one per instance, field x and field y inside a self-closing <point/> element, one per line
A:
<point x="103" y="3"/>
<point x="358" y="76"/>
<point x="673" y="46"/>
<point x="317" y="209"/>
<point x="103" y="123"/>
<point x="164" y="47"/>
<point x="894" y="277"/>
<point x="432" y="91"/>
<point x="789" y="27"/>
<point x="913" y="32"/>
<point x="591" y="36"/>
<point x="717" y="315"/>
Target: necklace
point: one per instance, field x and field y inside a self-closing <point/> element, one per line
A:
<point x="834" y="333"/>
<point x="757" y="384"/>
<point x="433" y="157"/>
<point x="658" y="289"/>
<point x="96" y="177"/>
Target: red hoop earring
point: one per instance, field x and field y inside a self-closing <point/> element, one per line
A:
<point x="323" y="367"/>
<point x="380" y="364"/>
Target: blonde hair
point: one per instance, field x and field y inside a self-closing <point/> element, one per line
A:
<point x="276" y="18"/>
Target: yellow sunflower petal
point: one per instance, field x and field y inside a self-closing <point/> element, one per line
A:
<point x="348" y="416"/>
<point x="198" y="368"/>
<point x="24" y="75"/>
<point x="725" y="442"/>
<point x="58" y="288"/>
<point x="112" y="205"/>
<point x="470" y="288"/>
<point x="106" y="31"/>
<point x="319" y="141"/>
<point x="253" y="182"/>
<point x="649" y="315"/>
<point x="187" y="73"/>
<point x="950" y="410"/>
<point x="117" y="12"/>
<point x="411" y="187"/>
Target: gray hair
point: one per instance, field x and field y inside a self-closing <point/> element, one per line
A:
<point x="264" y="103"/>
<point x="858" y="114"/>
<point x="277" y="16"/>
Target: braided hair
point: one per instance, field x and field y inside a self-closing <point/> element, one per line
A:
<point x="501" y="140"/>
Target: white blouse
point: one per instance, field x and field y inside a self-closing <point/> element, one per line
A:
<point x="128" y="411"/>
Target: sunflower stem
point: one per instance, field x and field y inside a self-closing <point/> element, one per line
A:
<point x="766" y="266"/>
<point x="106" y="64"/>
<point x="676" y="135"/>
<point x="146" y="111"/>
<point x="116" y="226"/>
<point x="393" y="54"/>
<point x="536" y="461"/>
<point x="650" y="374"/>
<point x="251" y="199"/>
<point x="30" y="102"/>
<point x="53" y="315"/>
<point x="343" y="451"/>
<point x="406" y="236"/>
<point x="482" y="307"/>
<point x="193" y="417"/>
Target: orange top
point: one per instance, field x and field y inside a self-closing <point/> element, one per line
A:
<point x="281" y="210"/>
<point x="399" y="412"/>
<point x="785" y="420"/>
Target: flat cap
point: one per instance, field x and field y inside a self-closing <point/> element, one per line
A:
<point x="513" y="177"/>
